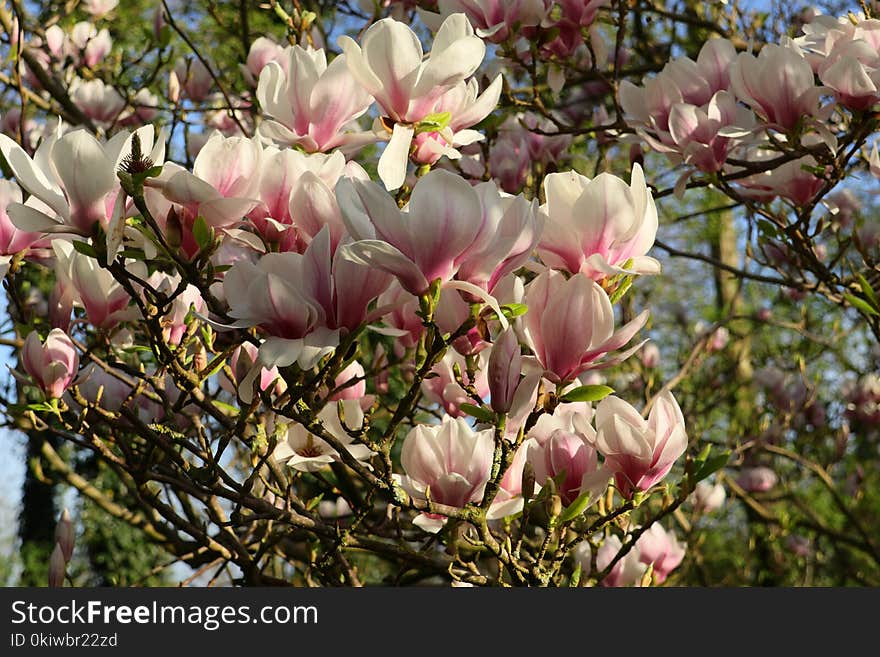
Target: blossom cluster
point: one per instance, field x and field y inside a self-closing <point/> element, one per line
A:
<point x="347" y="280"/>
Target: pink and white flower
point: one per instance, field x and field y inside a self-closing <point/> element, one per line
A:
<point x="449" y="464"/>
<point x="640" y="453"/>
<point x="778" y="85"/>
<point x="662" y="549"/>
<point x="628" y="571"/>
<point x="312" y="105"/>
<point x="600" y="227"/>
<point x="304" y="451"/>
<point x="52" y="365"/>
<point x="73" y="175"/>
<point x="389" y="64"/>
<point x="570" y="326"/>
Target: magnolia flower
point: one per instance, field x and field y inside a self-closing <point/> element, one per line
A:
<point x="106" y="302"/>
<point x="100" y="102"/>
<point x="687" y="110"/>
<point x="86" y="43"/>
<point x="144" y="108"/>
<point x="757" y="479"/>
<point x="302" y="301"/>
<point x="845" y="52"/>
<point x="509" y="498"/>
<point x="52" y="365"/>
<point x="708" y="497"/>
<point x="600" y="227"/>
<point x="792" y="180"/>
<point x="241" y="365"/>
<point x="307" y="452"/>
<point x="628" y="570"/>
<point x="312" y="104"/>
<point x="174" y="321"/>
<point x="465" y="107"/>
<point x="298" y="200"/>
<point x="509" y="229"/>
<point x="112" y="387"/>
<point x="777" y="84"/>
<point x="343" y="386"/>
<point x="504" y="371"/>
<point x="193" y="78"/>
<point x="570" y="326"/>
<point x="74" y="176"/>
<point x="571" y="418"/>
<point x="650" y="355"/>
<point x="419" y="245"/>
<point x="12" y="240"/>
<point x="571" y="461"/>
<point x="640" y="453"/>
<point x="263" y="50"/>
<point x="223" y="187"/>
<point x="493" y="20"/>
<point x="661" y="549"/>
<point x="449" y="464"/>
<point x="442" y="388"/>
<point x="99" y="8"/>
<point x="389" y="64"/>
<point x="56" y="39"/>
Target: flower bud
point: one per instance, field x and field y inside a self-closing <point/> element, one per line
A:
<point x="64" y="535"/>
<point x="53" y="364"/>
<point x="57" y="567"/>
<point x="650" y="355"/>
<point x="505" y="367"/>
<point x="757" y="479"/>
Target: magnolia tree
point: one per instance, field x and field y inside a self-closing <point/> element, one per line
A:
<point x="554" y="293"/>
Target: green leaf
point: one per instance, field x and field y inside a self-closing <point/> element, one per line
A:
<point x="622" y="289"/>
<point x="587" y="394"/>
<point x="704" y="454"/>
<point x="712" y="464"/>
<point x="41" y="407"/>
<point x="434" y="122"/>
<point x="768" y="228"/>
<point x="223" y="406"/>
<point x="203" y="234"/>
<point x="576" y="508"/>
<point x="868" y="291"/>
<point x="313" y="503"/>
<point x="483" y="414"/>
<point x="85" y="248"/>
<point x="861" y="304"/>
<point x="513" y="310"/>
<point x="136" y="349"/>
<point x="165" y="36"/>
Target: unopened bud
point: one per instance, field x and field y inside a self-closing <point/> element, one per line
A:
<point x="64" y="535"/>
<point x="57" y="566"/>
<point x="505" y="367"/>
